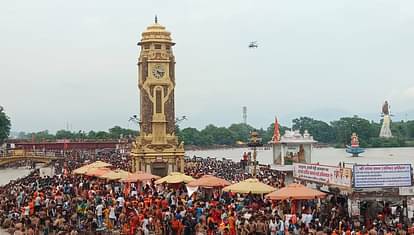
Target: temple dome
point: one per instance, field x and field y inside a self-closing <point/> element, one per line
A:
<point x="156" y="33"/>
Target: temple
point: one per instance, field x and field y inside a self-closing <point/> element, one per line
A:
<point x="293" y="147"/>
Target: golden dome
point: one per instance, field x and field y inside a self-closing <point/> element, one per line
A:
<point x="156" y="33"/>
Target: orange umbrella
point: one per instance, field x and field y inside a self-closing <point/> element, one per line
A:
<point x="209" y="181"/>
<point x="295" y="192"/>
<point x="97" y="171"/>
<point x="139" y="176"/>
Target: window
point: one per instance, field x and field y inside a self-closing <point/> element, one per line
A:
<point x="146" y="46"/>
<point x="157" y="46"/>
<point x="158" y="101"/>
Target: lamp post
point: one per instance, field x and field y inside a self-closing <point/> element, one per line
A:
<point x="255" y="141"/>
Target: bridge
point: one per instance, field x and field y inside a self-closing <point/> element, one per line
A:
<point x="21" y="155"/>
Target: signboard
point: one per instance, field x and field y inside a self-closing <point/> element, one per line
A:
<point x="46" y="171"/>
<point x="406" y="191"/>
<point x="329" y="175"/>
<point x="377" y="176"/>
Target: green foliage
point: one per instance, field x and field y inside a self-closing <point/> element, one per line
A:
<point x="410" y="129"/>
<point x="321" y="131"/>
<point x="64" y="134"/>
<point x="119" y="132"/>
<point x="113" y="133"/>
<point x="191" y="136"/>
<point x="337" y="133"/>
<point x="42" y="135"/>
<point x="387" y="142"/>
<point x="240" y="131"/>
<point x="345" y="126"/>
<point x="5" y="125"/>
<point x="217" y="135"/>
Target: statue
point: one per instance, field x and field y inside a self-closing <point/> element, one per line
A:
<point x="385" y="108"/>
<point x="354" y="148"/>
<point x="386" y="122"/>
<point x="354" y="140"/>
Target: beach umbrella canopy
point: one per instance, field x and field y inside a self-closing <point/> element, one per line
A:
<point x="251" y="185"/>
<point x="97" y="171"/>
<point x="209" y="181"/>
<point x="98" y="164"/>
<point x="139" y="176"/>
<point x="115" y="175"/>
<point x="295" y="192"/>
<point x="83" y="169"/>
<point x="175" y="178"/>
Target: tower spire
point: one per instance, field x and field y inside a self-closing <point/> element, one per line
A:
<point x="156" y="19"/>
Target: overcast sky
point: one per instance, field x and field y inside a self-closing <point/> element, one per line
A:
<point x="75" y="61"/>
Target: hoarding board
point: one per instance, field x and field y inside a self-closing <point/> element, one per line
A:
<point x="378" y="176"/>
<point x="329" y="175"/>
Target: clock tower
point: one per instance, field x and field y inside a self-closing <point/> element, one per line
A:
<point x="156" y="150"/>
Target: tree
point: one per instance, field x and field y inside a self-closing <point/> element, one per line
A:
<point x="64" y="134"/>
<point x="5" y="125"/>
<point x="191" y="136"/>
<point x="117" y="131"/>
<point x="224" y="136"/>
<point x="410" y="129"/>
<point x="217" y="135"/>
<point x="241" y="131"/>
<point x="91" y="135"/>
<point x="321" y="131"/>
<point x="345" y="126"/>
<point x="102" y="135"/>
<point x="42" y="135"/>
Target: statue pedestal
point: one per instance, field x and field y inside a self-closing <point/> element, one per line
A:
<point x="385" y="129"/>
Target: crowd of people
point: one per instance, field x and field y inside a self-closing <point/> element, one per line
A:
<point x="65" y="203"/>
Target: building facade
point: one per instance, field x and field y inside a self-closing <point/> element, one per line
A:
<point x="157" y="150"/>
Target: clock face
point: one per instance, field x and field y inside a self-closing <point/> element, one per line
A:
<point x="158" y="71"/>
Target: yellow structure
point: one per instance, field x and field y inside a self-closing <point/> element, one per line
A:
<point x="157" y="150"/>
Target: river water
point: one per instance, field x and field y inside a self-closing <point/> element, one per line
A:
<point x="12" y="173"/>
<point x="327" y="156"/>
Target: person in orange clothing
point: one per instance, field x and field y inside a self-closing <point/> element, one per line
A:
<point x="232" y="224"/>
<point x="31" y="207"/>
<point x="164" y="203"/>
<point x="134" y="223"/>
<point x="125" y="228"/>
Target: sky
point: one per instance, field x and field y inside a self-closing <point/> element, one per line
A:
<point x="72" y="64"/>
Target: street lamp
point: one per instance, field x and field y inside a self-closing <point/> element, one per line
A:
<point x="255" y="141"/>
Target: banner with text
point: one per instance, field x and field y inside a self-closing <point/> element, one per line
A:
<point x="377" y="176"/>
<point x="329" y="175"/>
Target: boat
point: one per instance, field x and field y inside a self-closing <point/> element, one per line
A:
<point x="354" y="148"/>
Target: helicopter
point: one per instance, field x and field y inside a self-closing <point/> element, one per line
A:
<point x="253" y="44"/>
